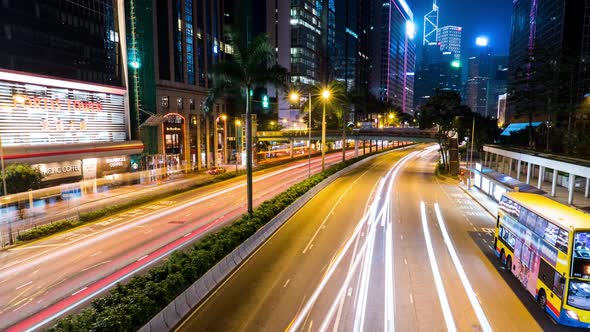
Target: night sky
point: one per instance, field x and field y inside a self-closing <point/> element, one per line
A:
<point x="477" y="17"/>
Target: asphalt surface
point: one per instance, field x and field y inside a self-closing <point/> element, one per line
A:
<point x="46" y="279"/>
<point x="387" y="247"/>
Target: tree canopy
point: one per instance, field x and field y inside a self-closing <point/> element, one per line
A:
<point x="22" y="177"/>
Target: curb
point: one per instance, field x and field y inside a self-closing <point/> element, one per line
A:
<point x="174" y="313"/>
<point x="477" y="201"/>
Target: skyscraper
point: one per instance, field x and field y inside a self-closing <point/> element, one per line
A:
<point x="393" y="53"/>
<point x="449" y="38"/>
<point x="547" y="75"/>
<point x="172" y="46"/>
<point x="306" y="41"/>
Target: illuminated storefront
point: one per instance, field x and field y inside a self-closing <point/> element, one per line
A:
<point x="69" y="130"/>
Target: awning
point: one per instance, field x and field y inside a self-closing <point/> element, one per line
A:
<point x="36" y="154"/>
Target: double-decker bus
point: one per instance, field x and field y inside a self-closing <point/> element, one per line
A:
<point x="546" y="245"/>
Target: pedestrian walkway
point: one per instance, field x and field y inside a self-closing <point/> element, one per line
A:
<point x="488" y="203"/>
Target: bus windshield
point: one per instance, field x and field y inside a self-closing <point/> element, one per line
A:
<point x="579" y="294"/>
<point x="581" y="255"/>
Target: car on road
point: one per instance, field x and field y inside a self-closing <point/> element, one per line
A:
<point x="216" y="170"/>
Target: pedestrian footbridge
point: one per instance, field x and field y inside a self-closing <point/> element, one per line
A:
<point x="379" y="134"/>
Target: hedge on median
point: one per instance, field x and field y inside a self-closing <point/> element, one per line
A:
<point x="130" y="306"/>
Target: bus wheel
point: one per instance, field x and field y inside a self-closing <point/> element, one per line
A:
<point x="542" y="299"/>
<point x="509" y="264"/>
<point x="502" y="257"/>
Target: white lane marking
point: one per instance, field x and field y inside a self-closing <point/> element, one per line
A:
<point x="286" y="283"/>
<point x="411" y="298"/>
<point x="142" y="258"/>
<point x="442" y="295"/>
<point x="481" y="316"/>
<point x="187" y="234"/>
<point x="323" y="224"/>
<point x="349" y="293"/>
<point x="389" y="317"/>
<point x="34" y="272"/>
<point x="96" y="253"/>
<point x="35" y="247"/>
<point x="95" y="265"/>
<point x="148" y="231"/>
<point x="405" y="261"/>
<point x="23" y="285"/>
<point x="402" y="237"/>
<point x="188" y="214"/>
<point x="78" y="291"/>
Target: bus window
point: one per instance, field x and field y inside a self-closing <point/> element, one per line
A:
<point x="551" y="233"/>
<point x="531" y="220"/>
<point x="540" y="226"/>
<point x="562" y="240"/>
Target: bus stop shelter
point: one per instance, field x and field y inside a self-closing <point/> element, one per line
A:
<point x="494" y="184"/>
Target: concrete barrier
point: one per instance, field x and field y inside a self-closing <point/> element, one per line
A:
<point x="176" y="311"/>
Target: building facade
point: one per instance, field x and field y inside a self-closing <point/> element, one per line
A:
<point x="393" y="54"/>
<point x="63" y="96"/>
<point x="547" y="63"/>
<point x="449" y="38"/>
<point x="443" y="75"/>
<point x="172" y="46"/>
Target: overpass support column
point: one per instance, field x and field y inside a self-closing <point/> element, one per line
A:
<point x="570" y="189"/>
<point x="528" y="173"/>
<point x="291" y="148"/>
<point x="587" y="191"/>
<point x="510" y="167"/>
<point x="541" y="177"/>
<point x="356" y="147"/>
<point x="518" y="168"/>
<point x="554" y="182"/>
<point x="485" y="158"/>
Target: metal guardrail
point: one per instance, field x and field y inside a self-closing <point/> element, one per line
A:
<point x="177" y="310"/>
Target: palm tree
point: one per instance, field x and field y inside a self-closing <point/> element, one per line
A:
<point x="247" y="68"/>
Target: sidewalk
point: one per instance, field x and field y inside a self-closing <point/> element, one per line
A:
<point x="480" y="198"/>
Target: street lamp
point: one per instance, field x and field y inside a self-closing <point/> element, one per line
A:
<point x="238" y="123"/>
<point x="325" y="97"/>
<point x="224" y="149"/>
<point x="294" y="96"/>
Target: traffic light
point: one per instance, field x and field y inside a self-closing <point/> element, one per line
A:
<point x="264" y="101"/>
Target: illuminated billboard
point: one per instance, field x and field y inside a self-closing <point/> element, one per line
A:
<point x="36" y="110"/>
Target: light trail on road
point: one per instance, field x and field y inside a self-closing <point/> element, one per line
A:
<point x="379" y="211"/>
<point x="440" y="289"/>
<point x="64" y="292"/>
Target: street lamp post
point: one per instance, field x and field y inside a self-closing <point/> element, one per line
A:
<point x="216" y="140"/>
<point x="472" y="141"/>
<point x="238" y="150"/>
<point x="294" y="96"/>
<point x="325" y="96"/>
<point x="309" y="142"/>
<point x="4" y="188"/>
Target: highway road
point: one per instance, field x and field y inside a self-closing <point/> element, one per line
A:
<point x="388" y="247"/>
<point x="49" y="278"/>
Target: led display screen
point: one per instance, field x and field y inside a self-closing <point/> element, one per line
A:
<point x="38" y="114"/>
